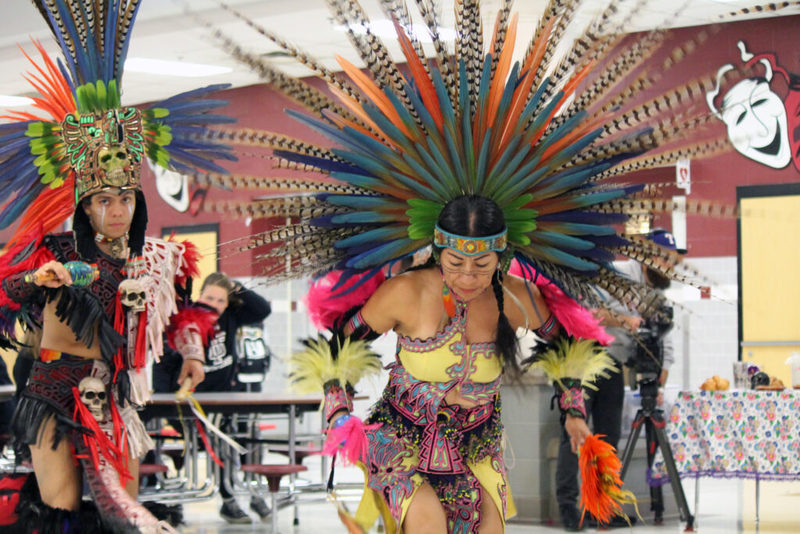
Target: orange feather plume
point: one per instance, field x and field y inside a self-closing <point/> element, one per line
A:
<point x="424" y="84"/>
<point x="602" y="495"/>
<point x="374" y="93"/>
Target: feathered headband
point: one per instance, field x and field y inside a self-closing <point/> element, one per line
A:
<point x="88" y="141"/>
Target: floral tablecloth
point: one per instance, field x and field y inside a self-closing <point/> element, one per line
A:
<point x="745" y="434"/>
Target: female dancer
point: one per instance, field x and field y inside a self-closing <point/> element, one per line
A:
<point x="435" y="463"/>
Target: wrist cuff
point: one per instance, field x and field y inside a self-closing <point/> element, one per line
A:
<point x="336" y="399"/>
<point x="190" y="345"/>
<point x="571" y="402"/>
<point x="19" y="287"/>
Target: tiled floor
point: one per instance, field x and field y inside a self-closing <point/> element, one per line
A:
<point x="725" y="506"/>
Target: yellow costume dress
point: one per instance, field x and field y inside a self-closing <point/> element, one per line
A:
<point x="421" y="438"/>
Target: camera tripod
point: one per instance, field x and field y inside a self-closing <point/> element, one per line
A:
<point x="652" y="418"/>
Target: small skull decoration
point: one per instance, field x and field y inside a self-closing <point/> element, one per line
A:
<point x="93" y="395"/>
<point x="132" y="295"/>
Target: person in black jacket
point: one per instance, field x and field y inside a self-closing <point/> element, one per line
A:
<point x="237" y="306"/>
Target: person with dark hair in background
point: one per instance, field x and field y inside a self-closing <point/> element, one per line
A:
<point x="605" y="404"/>
<point x="236" y="306"/>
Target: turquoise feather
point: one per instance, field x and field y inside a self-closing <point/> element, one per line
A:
<point x="508" y="163"/>
<point x="558" y="133"/>
<point x="483" y="161"/>
<point x="361" y="202"/>
<point x="559" y="257"/>
<point x="426" y="175"/>
<point x="363" y="217"/>
<point x="443" y="168"/>
<point x="575" y="228"/>
<point x="567" y="181"/>
<point x="522" y="179"/>
<point x="417" y="187"/>
<point x="360" y="180"/>
<point x="376" y="235"/>
<point x="563" y="240"/>
<point x="381" y="254"/>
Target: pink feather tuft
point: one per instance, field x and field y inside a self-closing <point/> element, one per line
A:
<point x="349" y="441"/>
<point x="576" y="320"/>
<point x="327" y="306"/>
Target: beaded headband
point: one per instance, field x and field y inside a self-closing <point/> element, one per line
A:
<point x="469" y="246"/>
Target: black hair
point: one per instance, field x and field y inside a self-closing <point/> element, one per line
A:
<point x="475" y="216"/>
<point x="84" y="233"/>
<point x="656" y="279"/>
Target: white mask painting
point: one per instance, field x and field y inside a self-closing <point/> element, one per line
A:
<point x="755" y="117"/>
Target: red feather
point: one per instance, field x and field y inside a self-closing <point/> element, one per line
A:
<point x="99" y="443"/>
<point x="37" y="258"/>
<point x="198" y="317"/>
<point x="348" y="441"/>
<point x="191" y="258"/>
<point x="426" y="89"/>
<point x="601" y="486"/>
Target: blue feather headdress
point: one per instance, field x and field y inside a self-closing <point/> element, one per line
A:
<point x="87" y="140"/>
<point x="551" y="143"/>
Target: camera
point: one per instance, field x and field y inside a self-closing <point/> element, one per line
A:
<point x="647" y="357"/>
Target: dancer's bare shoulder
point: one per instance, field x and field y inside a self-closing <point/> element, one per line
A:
<point x="528" y="309"/>
<point x="399" y="301"/>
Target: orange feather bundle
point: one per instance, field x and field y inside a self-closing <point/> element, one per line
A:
<point x="602" y="495"/>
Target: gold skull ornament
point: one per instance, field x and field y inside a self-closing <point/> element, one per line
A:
<point x="113" y="160"/>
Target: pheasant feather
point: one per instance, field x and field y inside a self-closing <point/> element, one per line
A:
<point x="542" y="138"/>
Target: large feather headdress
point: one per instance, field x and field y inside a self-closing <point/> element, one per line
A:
<point x="551" y="142"/>
<point x="85" y="140"/>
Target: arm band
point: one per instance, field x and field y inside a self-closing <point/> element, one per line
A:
<point x="189" y="344"/>
<point x="19" y="288"/>
<point x="550" y="329"/>
<point x="358" y="327"/>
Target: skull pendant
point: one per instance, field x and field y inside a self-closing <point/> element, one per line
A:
<point x="93" y="395"/>
<point x="132" y="295"/>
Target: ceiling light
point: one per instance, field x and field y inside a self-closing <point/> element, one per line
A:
<point x="9" y="101"/>
<point x="173" y="68"/>
<point x="385" y="28"/>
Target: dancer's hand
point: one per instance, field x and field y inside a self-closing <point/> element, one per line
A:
<point x="577" y="430"/>
<point x="192" y="369"/>
<point x="51" y="274"/>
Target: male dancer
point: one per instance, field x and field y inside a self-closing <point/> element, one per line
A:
<point x="104" y="294"/>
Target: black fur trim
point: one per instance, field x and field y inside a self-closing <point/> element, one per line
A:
<point x="31" y="415"/>
<point x="48" y="395"/>
<point x="163" y="512"/>
<point x="83" y="312"/>
<point x="35" y="516"/>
